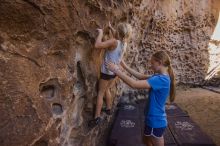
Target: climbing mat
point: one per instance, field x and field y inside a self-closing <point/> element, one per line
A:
<point x="168" y="138"/>
<point x="213" y="89"/>
<point x="128" y="127"/>
<point x="173" y="110"/>
<point x="126" y="130"/>
<point x="129" y="145"/>
<point x="128" y="110"/>
<point x="187" y="133"/>
<point x="142" y="107"/>
<point x="184" y="130"/>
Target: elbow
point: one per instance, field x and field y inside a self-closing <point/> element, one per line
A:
<point x="98" y="46"/>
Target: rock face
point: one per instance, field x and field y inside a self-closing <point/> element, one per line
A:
<point x="183" y="28"/>
<point x="49" y="68"/>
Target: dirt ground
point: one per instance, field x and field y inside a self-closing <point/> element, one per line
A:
<point x="204" y="108"/>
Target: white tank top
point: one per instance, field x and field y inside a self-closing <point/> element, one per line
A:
<point x="114" y="56"/>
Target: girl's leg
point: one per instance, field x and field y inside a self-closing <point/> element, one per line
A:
<point x="158" y="141"/>
<point x="148" y="140"/>
<point x="102" y="88"/>
<point x="108" y="99"/>
<point x="108" y="94"/>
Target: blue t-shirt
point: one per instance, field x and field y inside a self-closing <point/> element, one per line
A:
<point x="159" y="91"/>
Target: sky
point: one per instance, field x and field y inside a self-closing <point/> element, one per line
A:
<point x="216" y="34"/>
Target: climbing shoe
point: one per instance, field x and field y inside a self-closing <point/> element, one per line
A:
<point x="94" y="122"/>
<point x="107" y="111"/>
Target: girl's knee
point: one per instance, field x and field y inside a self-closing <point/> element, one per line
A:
<point x="107" y="91"/>
<point x="148" y="141"/>
<point x="101" y="94"/>
<point x="103" y="86"/>
<point x="158" y="141"/>
<point x="100" y="97"/>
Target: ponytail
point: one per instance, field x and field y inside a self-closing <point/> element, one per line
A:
<point x="163" y="57"/>
<point x="172" y="84"/>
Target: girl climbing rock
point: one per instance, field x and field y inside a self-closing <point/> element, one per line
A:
<point x="114" y="51"/>
<point x="161" y="85"/>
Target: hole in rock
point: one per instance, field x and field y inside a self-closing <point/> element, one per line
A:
<point x="49" y="89"/>
<point x="41" y="143"/>
<point x="57" y="108"/>
<point x="48" y="92"/>
<point x="85" y="35"/>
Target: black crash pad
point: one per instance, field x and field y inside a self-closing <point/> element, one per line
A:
<point x="142" y="120"/>
<point x="126" y="130"/>
<point x="142" y="105"/>
<point x="188" y="133"/>
<point x="173" y="110"/>
<point x="128" y="110"/>
<point x="130" y="145"/>
<point x="168" y="138"/>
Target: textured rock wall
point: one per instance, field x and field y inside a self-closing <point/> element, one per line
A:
<point x="182" y="28"/>
<point x="49" y="68"/>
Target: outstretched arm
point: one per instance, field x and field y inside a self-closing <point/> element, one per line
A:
<point x="138" y="84"/>
<point x="136" y="74"/>
<point x="110" y="44"/>
<point x="112" y="29"/>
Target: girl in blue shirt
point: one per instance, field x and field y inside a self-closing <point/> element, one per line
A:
<point x="161" y="85"/>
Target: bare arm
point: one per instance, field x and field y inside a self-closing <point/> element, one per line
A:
<point x="136" y="74"/>
<point x="137" y="84"/>
<point x="110" y="44"/>
<point x="112" y="29"/>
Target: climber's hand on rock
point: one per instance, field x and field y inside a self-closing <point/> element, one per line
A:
<point x="100" y="30"/>
<point x="109" y="24"/>
<point x="112" y="67"/>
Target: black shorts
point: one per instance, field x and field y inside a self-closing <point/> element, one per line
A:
<point x="106" y="76"/>
<point x="155" y="132"/>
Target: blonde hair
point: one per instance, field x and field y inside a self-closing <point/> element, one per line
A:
<point x="164" y="58"/>
<point x="124" y="31"/>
